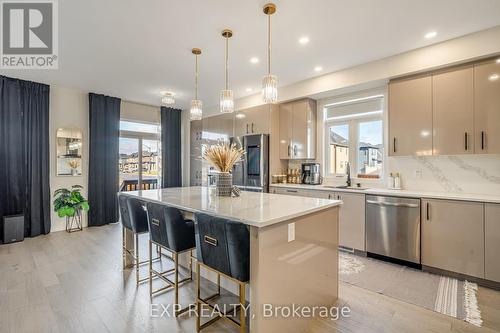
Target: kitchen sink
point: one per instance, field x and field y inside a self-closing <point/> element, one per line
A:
<point x="345" y="187"/>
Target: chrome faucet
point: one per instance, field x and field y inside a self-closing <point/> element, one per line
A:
<point x="348" y="174"/>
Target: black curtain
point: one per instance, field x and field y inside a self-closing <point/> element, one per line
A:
<point x="171" y="147"/>
<point x="24" y="153"/>
<point x="104" y="116"/>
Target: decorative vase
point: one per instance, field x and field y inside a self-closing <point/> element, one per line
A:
<point x="223" y="184"/>
<point x="74" y="172"/>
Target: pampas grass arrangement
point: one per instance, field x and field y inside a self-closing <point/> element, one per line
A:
<point x="223" y="156"/>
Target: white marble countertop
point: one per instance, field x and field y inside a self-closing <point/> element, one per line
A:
<point x="400" y="193"/>
<point x="252" y="208"/>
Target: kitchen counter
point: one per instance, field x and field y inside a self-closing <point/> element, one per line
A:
<point x="399" y="193"/>
<point x="293" y="247"/>
<point x="252" y="208"/>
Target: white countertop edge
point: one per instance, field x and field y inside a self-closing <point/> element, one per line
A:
<point x="333" y="203"/>
<point x="399" y="193"/>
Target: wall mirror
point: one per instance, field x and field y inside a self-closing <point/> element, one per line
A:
<point x="69" y="143"/>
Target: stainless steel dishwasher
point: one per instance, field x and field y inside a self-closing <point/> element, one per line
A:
<point x="393" y="227"/>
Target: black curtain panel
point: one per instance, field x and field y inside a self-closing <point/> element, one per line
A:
<point x="24" y="153"/>
<point x="104" y="116"/>
<point x="171" y="147"/>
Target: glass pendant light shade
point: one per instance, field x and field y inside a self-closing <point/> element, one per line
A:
<point x="226" y="95"/>
<point x="269" y="82"/>
<point x="168" y="99"/>
<point x="196" y="110"/>
<point x="226" y="101"/>
<point x="270" y="88"/>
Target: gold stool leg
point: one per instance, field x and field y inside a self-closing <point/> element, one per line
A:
<point x="176" y="281"/>
<point x="243" y="322"/>
<point x="198" y="303"/>
<point x="123" y="247"/>
<point x="218" y="283"/>
<point x="150" y="270"/>
<point x="136" y="252"/>
<point x="191" y="264"/>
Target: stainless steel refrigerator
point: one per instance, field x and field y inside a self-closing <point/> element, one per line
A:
<point x="252" y="173"/>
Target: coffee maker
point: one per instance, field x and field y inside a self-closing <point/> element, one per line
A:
<point x="311" y="174"/>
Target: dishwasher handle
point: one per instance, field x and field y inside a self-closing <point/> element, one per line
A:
<point x="393" y="204"/>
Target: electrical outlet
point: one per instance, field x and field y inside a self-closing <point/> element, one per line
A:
<point x="291" y="232"/>
<point x="418" y="173"/>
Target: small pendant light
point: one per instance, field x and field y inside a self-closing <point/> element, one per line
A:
<point x="196" y="110"/>
<point x="226" y="95"/>
<point x="269" y="82"/>
<point x="168" y="98"/>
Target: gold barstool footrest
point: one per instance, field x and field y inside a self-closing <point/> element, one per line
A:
<point x="242" y="325"/>
<point x="163" y="275"/>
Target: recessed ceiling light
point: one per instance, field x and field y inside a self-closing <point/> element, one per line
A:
<point x="318" y="69"/>
<point x="248" y="89"/>
<point x="304" y="40"/>
<point x="498" y="61"/>
<point x="493" y="77"/>
<point x="430" y="34"/>
<point x="254" y="60"/>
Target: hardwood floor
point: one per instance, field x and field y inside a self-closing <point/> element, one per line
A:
<point x="74" y="283"/>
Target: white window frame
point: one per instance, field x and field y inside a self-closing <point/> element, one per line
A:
<point x="353" y="135"/>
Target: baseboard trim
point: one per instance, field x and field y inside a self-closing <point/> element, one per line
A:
<point x="482" y="282"/>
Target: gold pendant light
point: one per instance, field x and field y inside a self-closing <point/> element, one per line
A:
<point x="226" y="95"/>
<point x="196" y="110"/>
<point x="269" y="82"/>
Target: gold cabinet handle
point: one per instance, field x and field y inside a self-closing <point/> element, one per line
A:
<point x="210" y="240"/>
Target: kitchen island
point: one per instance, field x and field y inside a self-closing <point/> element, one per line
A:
<point x="293" y="248"/>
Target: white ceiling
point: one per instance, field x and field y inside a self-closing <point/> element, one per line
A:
<point x="134" y="49"/>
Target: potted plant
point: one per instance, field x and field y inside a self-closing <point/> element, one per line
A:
<point x="70" y="203"/>
<point x="223" y="156"/>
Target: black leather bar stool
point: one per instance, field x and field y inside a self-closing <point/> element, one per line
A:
<point x="223" y="247"/>
<point x="133" y="217"/>
<point x="169" y="230"/>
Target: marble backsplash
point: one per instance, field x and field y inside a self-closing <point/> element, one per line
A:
<point x="478" y="174"/>
<point x="474" y="174"/>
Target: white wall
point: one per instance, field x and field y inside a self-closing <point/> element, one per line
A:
<point x="68" y="109"/>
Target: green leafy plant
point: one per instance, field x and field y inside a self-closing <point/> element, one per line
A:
<point x="70" y="202"/>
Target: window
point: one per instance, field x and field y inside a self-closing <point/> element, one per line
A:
<point x="339" y="148"/>
<point x="354" y="129"/>
<point x="140" y="156"/>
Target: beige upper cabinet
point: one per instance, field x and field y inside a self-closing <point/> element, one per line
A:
<point x="492" y="241"/>
<point x="298" y="130"/>
<point x="453" y="236"/>
<point x="453" y="111"/>
<point x="410" y="116"/>
<point x="487" y="107"/>
<point x="285" y="124"/>
<point x="218" y="127"/>
<point x="255" y="120"/>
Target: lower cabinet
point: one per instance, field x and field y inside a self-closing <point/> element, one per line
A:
<point x="351" y="215"/>
<point x="352" y="220"/>
<point x="453" y="236"/>
<point x="492" y="241"/>
<point x="302" y="192"/>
